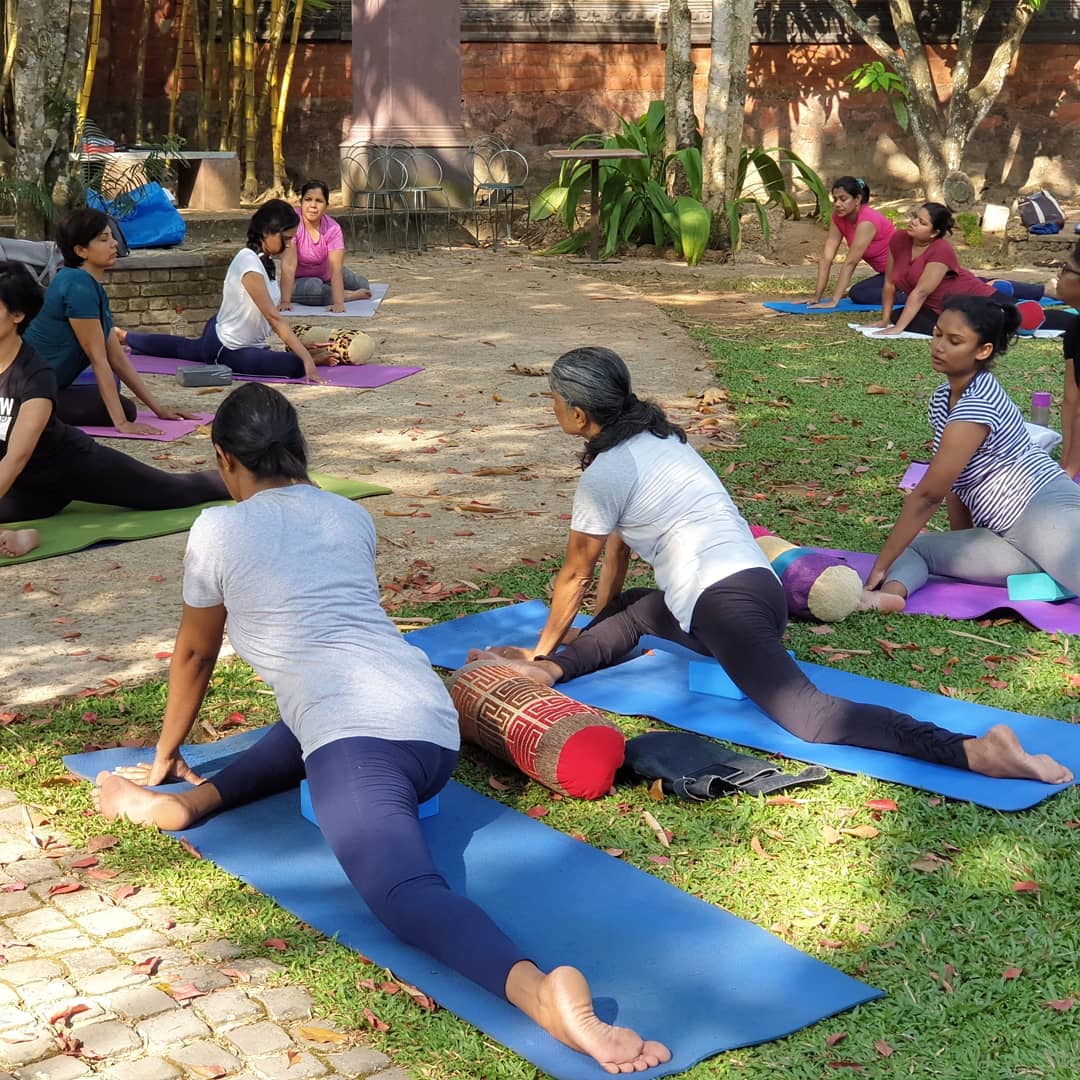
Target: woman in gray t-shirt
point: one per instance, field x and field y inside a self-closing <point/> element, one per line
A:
<point x="645" y="490"/>
<point x="364" y="717"/>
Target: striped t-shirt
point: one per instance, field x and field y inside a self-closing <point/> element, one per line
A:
<point x="1008" y="468"/>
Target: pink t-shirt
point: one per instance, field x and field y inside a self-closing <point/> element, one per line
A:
<point x="957" y="280"/>
<point x="877" y="251"/>
<point x="313" y="256"/>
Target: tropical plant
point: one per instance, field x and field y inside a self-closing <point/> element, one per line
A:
<point x="634" y="204"/>
<point x="877" y="78"/>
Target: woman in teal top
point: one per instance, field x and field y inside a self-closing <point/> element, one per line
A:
<point x="74" y="331"/>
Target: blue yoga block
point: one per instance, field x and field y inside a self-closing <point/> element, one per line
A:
<point x="425" y="810"/>
<point x="708" y="677"/>
<point x="1036" y="587"/>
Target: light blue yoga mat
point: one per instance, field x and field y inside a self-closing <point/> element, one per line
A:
<point x="658" y="686"/>
<point x="659" y="960"/>
<point x="790" y="307"/>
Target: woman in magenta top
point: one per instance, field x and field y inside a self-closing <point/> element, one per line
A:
<point x="313" y="269"/>
<point x="866" y="232"/>
<point x="924" y="266"/>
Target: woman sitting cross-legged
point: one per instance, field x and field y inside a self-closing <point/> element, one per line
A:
<point x="44" y="463"/>
<point x="313" y="269"/>
<point x="1012" y="510"/>
<point x="238" y="336"/>
<point x="924" y="266"/>
<point x="364" y="717"/>
<point x="74" y="331"/>
<point x="644" y="489"/>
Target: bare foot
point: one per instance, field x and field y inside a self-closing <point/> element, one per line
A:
<point x="564" y="1010"/>
<point x="324" y="358"/>
<point x="999" y="753"/>
<point x="357" y="294"/>
<point x="877" y="600"/>
<point x="543" y="672"/>
<point x="1050" y="286"/>
<point x="116" y="797"/>
<point x="16" y="542"/>
<point x="121" y="335"/>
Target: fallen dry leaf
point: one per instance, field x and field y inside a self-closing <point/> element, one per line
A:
<point x="784" y="800"/>
<point x="536" y="811"/>
<point x="863" y="832"/>
<point x="757" y="849"/>
<point x="146" y="967"/>
<point x="656" y="790"/>
<point x="375" y="1022"/>
<point x="236" y="973"/>
<point x="929" y="863"/>
<point x="883" y="1048"/>
<point x="63" y="1017"/>
<point x="84" y="863"/>
<point x="101" y="843"/>
<point x="64" y="887"/>
<point x="1011" y="973"/>
<point x="185" y="991"/>
<point x="322" y="1035"/>
<point x="122" y="892"/>
<point x="835" y="1038"/>
<point x="658" y="829"/>
<point x="276" y="943"/>
<point x="882" y="806"/>
<point x="831" y="835"/>
<point x="293" y="1056"/>
<point x="190" y="848"/>
<point x="1060" y="1005"/>
<point x="497" y="785"/>
<point x="873" y="388"/>
<point x="1025" y="886"/>
<point x="102" y="874"/>
<point x="660" y="860"/>
<point x="210" y="1072"/>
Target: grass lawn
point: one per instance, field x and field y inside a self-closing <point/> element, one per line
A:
<point x="983" y="981"/>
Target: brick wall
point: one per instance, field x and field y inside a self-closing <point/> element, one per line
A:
<point x="145" y="289"/>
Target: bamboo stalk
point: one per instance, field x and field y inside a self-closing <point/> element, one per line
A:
<point x="225" y="86"/>
<point x="92" y="49"/>
<point x="140" y="70"/>
<point x="251" y="125"/>
<point x="201" y="59"/>
<point x="9" y="58"/>
<point x="178" y="66"/>
<point x="278" y="133"/>
<point x="236" y="74"/>
<point x="213" y="66"/>
<point x="278" y="16"/>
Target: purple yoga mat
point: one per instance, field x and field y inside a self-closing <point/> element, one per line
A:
<point x="171" y="430"/>
<point x="953" y="599"/>
<point x="356" y="376"/>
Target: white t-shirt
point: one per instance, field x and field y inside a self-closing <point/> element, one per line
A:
<point x="673" y="511"/>
<point x="240" y="324"/>
<point x="295" y="569"/>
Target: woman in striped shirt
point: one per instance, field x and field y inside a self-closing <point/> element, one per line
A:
<point x="1012" y="510"/>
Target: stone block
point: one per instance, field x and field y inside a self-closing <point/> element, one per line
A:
<point x="14" y="1055"/>
<point x="76" y="903"/>
<point x="284" y="1003"/>
<point x="258" y="1039"/>
<point x="147" y="1068"/>
<point x="115" y="978"/>
<point x="138" y="305"/>
<point x="29" y="971"/>
<point x="47" y="992"/>
<point x="227" y="1008"/>
<point x="206" y="1053"/>
<point x="218" y="950"/>
<point x="60" y="1067"/>
<point x="42" y="921"/>
<point x="140" y="942"/>
<point x="257" y="968"/>
<point x="88" y="961"/>
<point x="171" y="1028"/>
<point x="17" y="903"/>
<point x="393" y="1074"/>
<point x="62" y="941"/>
<point x="113" y="920"/>
<point x="30" y="869"/>
<point x="92" y="1011"/>
<point x="202" y="975"/>
<point x="7" y="796"/>
<point x="139" y="1002"/>
<point x="282" y="1067"/>
<point x="358" y="1061"/>
<point x="108" y="1039"/>
<point x="10" y="1017"/>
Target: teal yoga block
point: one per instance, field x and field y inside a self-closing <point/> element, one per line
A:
<point x="708" y="677"/>
<point x="425" y="810"/>
<point x="1036" y="587"/>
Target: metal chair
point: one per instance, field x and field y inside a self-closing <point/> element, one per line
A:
<point x="384" y="193"/>
<point x="353" y="186"/>
<point x="425" y="190"/>
<point x="497" y="179"/>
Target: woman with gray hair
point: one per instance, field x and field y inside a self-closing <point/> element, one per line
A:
<point x="645" y="490"/>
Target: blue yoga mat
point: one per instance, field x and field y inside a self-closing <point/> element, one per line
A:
<point x="658" y="959"/>
<point x="658" y="686"/>
<point x="789" y="307"/>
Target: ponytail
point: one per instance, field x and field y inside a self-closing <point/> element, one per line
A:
<point x="258" y="426"/>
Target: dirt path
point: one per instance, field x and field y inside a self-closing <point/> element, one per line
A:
<point x="82" y="621"/>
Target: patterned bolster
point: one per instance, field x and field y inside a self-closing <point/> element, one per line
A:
<point x="566" y="746"/>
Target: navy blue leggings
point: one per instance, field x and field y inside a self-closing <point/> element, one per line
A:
<point x="209" y="350"/>
<point x="365" y="793"/>
<point x="740" y="621"/>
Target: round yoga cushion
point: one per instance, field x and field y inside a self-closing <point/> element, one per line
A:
<point x="349" y="346"/>
<point x="566" y="746"/>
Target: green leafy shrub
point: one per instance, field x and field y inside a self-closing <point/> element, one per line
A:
<point x="970" y="229"/>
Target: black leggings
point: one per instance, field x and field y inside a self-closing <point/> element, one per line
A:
<point x="1053" y="318"/>
<point x="83" y="406"/>
<point x="740" y="621"/>
<point x="256" y="360"/>
<point x="99" y="474"/>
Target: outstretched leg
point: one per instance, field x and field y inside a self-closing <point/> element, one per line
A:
<point x="16" y="542"/>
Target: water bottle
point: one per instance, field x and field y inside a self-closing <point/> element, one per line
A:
<point x="1040" y="407"/>
<point x="180" y="323"/>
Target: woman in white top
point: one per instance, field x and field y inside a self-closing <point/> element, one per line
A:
<point x="239" y="335"/>
<point x="645" y="490"/>
<point x="1012" y="510"/>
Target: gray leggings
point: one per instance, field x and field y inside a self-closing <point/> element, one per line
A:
<point x="1046" y="536"/>
<point x="315" y="292"/>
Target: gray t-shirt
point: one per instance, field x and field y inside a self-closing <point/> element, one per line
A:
<point x="672" y="510"/>
<point x="295" y="569"/>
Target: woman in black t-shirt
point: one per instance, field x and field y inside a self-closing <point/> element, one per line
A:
<point x="44" y="463"/>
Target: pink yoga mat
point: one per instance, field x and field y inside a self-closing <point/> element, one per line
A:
<point x="953" y="599"/>
<point x="171" y="430"/>
<point x="356" y="376"/>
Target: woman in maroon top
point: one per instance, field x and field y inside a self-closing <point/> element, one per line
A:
<point x="923" y="264"/>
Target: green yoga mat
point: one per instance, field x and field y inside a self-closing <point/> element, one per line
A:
<point x="81" y="525"/>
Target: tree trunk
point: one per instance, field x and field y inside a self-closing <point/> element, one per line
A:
<point x="140" y="71"/>
<point x="725" y="106"/>
<point x="211" y="70"/>
<point x="251" y="123"/>
<point x="279" y="16"/>
<point x="178" y="66"/>
<point x="680" y="124"/>
<point x="278" y="133"/>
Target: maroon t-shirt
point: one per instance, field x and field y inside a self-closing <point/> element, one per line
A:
<point x="957" y="280"/>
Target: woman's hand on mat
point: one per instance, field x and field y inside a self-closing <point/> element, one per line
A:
<point x="285" y="305"/>
<point x="314" y="377"/>
<point x="164" y="769"/>
<point x="821" y="303"/>
<point x="888" y="331"/>
<point x="337" y="308"/>
<point x="137" y="427"/>
<point x="881" y="324"/>
<point x="165" y="413"/>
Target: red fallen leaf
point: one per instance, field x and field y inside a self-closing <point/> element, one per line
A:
<point x="497" y="785"/>
<point x="564" y="517"/>
<point x="784" y="800"/>
<point x="13" y="886"/>
<point x="63" y="1017"/>
<point x="835" y="1037"/>
<point x="853" y="1065"/>
<point x="236" y="719"/>
<point x="1073" y="824"/>
<point x="1025" y="886"/>
<point x="10" y="717"/>
<point x="147" y="966"/>
<point x="293" y="1056"/>
<point x="101" y="843"/>
<point x="536" y="811"/>
<point x="162" y="655"/>
<point x="757" y="849"/>
<point x="210" y="1072"/>
<point x="84" y="862"/>
<point x="155" y="577"/>
<point x="994" y="684"/>
<point x="882" y="806"/>
<point x="28" y="587"/>
<point x="122" y="892"/>
<point x="168" y="924"/>
<point x="1011" y="973"/>
<point x="237" y="974"/>
<point x="64" y="887"/>
<point x="1060" y="1005"/>
<point x="190" y="848"/>
<point x="614" y="852"/>
<point x="933" y="801"/>
<point x="89" y="717"/>
<point x="660" y="860"/>
<point x="102" y="874"/>
<point x="829" y="943"/>
<point x="388" y="987"/>
<point x="110" y="681"/>
<point x="186" y="991"/>
<point x="276" y="943"/>
<point x="883" y="1048"/>
<point x="375" y="1022"/>
<point x="19" y="1036"/>
<point x="72" y="634"/>
<point x="366" y="984"/>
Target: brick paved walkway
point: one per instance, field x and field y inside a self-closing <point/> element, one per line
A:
<point x="74" y="1002"/>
